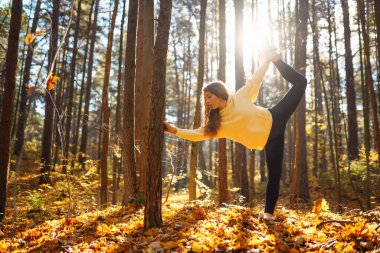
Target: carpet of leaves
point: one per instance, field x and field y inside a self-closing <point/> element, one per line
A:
<point x="198" y="227"/>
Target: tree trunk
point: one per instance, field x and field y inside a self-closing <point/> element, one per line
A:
<point x="222" y="143"/>
<point x="106" y="113"/>
<point x="240" y="157"/>
<point x="23" y="116"/>
<point x="47" y="139"/>
<point x="82" y="88"/>
<point x="116" y="159"/>
<point x="71" y="89"/>
<point x="146" y="83"/>
<point x="368" y="78"/>
<point x="377" y="19"/>
<point x="353" y="143"/>
<point x="152" y="213"/>
<point x="83" y="144"/>
<point x="366" y="102"/>
<point x="8" y="97"/>
<point x="299" y="184"/>
<point x="197" y="117"/>
<point x="139" y="103"/>
<point x="129" y="162"/>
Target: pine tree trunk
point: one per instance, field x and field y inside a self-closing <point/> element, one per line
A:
<point x="366" y="102"/>
<point x="222" y="143"/>
<point x="368" y="78"/>
<point x="47" y="139"/>
<point x="299" y="184"/>
<point x="23" y="116"/>
<point x="152" y="213"/>
<point x="129" y="162"/>
<point x="197" y="118"/>
<point x="240" y="157"/>
<point x="83" y="144"/>
<point x="106" y="113"/>
<point x="71" y="89"/>
<point x="116" y="160"/>
<point x="353" y="143"/>
<point x="8" y="100"/>
<point x="82" y="88"/>
<point x="139" y="103"/>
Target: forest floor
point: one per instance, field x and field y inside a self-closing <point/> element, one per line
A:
<point x="43" y="223"/>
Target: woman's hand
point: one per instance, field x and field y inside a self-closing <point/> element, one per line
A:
<point x="269" y="55"/>
<point x="169" y="128"/>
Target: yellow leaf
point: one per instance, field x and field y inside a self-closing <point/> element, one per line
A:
<point x="320" y="205"/>
<point x="339" y="246"/>
<point x="293" y="251"/>
<point x="349" y="249"/>
<point x="3" y="246"/>
<point x="29" y="38"/>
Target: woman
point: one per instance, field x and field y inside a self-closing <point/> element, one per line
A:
<point x="234" y="116"/>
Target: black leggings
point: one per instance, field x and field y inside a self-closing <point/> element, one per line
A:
<point x="274" y="149"/>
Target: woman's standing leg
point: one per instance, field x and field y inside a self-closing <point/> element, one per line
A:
<point x="274" y="152"/>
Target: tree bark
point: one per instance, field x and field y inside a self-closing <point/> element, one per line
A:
<point x="47" y="139"/>
<point x="129" y="162"/>
<point x="222" y="143"/>
<point x="146" y="96"/>
<point x="353" y="143"/>
<point x="23" y="116"/>
<point x="83" y="144"/>
<point x="71" y="89"/>
<point x="368" y="77"/>
<point x="152" y="213"/>
<point x="197" y="117"/>
<point x="240" y="156"/>
<point x="116" y="159"/>
<point x="299" y="184"/>
<point x="9" y="93"/>
<point x="106" y="113"/>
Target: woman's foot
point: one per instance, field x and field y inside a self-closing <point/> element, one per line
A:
<point x="266" y="217"/>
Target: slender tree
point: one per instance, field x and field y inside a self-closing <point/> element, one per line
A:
<point x="7" y="102"/>
<point x="240" y="151"/>
<point x="116" y="160"/>
<point x="23" y="116"/>
<point x="83" y="144"/>
<point x="368" y="77"/>
<point x="71" y="88"/>
<point x="129" y="162"/>
<point x="106" y="112"/>
<point x="145" y="95"/>
<point x="197" y="118"/>
<point x="299" y="183"/>
<point x="47" y="139"/>
<point x="353" y="142"/>
<point x="222" y="143"/>
<point x="152" y="213"/>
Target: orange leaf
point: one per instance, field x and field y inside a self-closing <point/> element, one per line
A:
<point x="29" y="38"/>
<point x="50" y="86"/>
<point x="31" y="89"/>
<point x="42" y="31"/>
<point x="52" y="80"/>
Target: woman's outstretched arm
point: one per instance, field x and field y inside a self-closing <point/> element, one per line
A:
<point x="188" y="134"/>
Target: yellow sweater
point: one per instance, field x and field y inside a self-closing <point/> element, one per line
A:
<point x="241" y="120"/>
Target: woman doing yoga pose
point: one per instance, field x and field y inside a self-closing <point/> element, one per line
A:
<point x="234" y="116"/>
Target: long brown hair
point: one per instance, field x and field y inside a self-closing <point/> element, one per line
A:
<point x="211" y="118"/>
